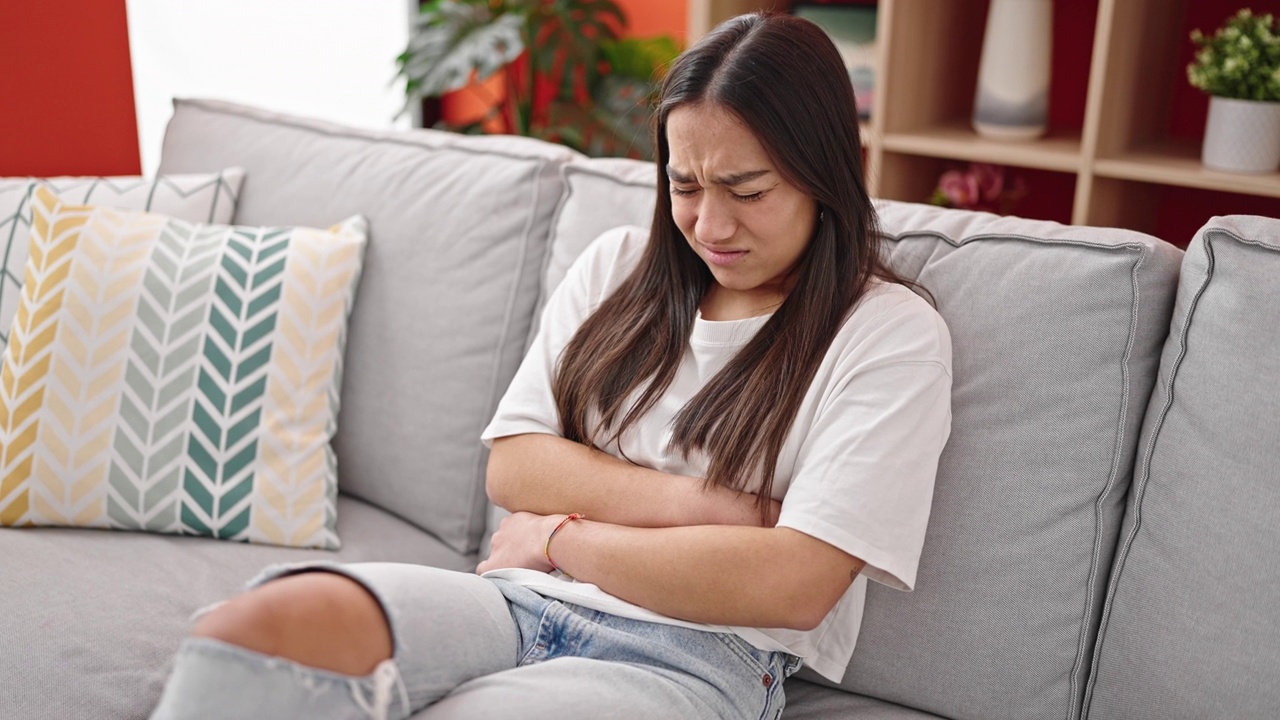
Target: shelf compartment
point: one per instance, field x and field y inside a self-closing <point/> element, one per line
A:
<point x="933" y="50"/>
<point x="1178" y="163"/>
<point x="1170" y="212"/>
<point x="1058" y="151"/>
<point x="912" y="178"/>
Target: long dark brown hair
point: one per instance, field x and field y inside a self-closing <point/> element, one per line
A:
<point x="784" y="79"/>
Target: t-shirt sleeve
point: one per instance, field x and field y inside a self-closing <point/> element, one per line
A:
<point x="529" y="405"/>
<point x="864" y="478"/>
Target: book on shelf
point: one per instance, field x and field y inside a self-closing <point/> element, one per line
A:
<point x="852" y="27"/>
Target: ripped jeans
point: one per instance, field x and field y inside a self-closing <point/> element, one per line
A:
<point x="467" y="647"/>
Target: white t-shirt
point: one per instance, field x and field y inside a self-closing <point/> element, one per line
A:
<point x="856" y="471"/>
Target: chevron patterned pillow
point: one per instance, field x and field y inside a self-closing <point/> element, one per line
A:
<point x="207" y="198"/>
<point x="174" y="377"/>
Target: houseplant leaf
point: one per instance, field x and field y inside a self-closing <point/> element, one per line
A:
<point x="639" y="58"/>
<point x="453" y="39"/>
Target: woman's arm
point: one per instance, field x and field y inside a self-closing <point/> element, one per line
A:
<point x="546" y="474"/>
<point x="747" y="576"/>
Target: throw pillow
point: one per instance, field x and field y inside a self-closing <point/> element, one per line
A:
<point x="207" y="198"/>
<point x="174" y="377"/>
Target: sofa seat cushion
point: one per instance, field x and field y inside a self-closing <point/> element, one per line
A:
<point x="90" y="619"/>
<point x="1192" y="628"/>
<point x="809" y="701"/>
<point x="458" y="231"/>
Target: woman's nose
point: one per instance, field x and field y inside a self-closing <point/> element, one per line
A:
<point x="715" y="222"/>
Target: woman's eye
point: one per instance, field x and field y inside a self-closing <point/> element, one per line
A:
<point x="681" y="193"/>
<point x="749" y="198"/>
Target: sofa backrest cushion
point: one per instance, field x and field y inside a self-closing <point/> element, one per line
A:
<point x="599" y="194"/>
<point x="1056" y="334"/>
<point x="1192" y="626"/>
<point x="458" y="230"/>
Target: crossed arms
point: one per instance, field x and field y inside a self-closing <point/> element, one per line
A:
<point x="664" y="542"/>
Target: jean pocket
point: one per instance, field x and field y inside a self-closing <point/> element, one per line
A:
<point x="756" y="661"/>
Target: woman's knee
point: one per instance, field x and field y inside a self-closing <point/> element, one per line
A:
<point x="319" y="619"/>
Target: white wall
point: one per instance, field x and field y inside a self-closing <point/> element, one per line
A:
<point x="331" y="59"/>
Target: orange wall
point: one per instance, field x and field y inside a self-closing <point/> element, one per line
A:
<point x="68" y="89"/>
<point x="656" y="17"/>
<point x="645" y="18"/>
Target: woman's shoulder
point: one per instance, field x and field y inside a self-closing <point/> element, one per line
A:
<point x="892" y="323"/>
<point x="611" y="257"/>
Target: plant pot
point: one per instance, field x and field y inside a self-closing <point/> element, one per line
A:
<point x="1012" y="100"/>
<point x="1242" y="136"/>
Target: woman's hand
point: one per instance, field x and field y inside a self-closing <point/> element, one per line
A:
<point x="521" y="542"/>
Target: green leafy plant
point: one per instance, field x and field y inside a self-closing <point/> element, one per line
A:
<point x="1241" y="60"/>
<point x="569" y="76"/>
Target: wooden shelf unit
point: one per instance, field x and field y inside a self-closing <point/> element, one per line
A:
<point x="1115" y="161"/>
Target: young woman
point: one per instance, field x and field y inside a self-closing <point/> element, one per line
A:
<point x="725" y="426"/>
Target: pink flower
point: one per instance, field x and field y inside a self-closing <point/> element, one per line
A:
<point x="980" y="186"/>
<point x="960" y="189"/>
<point x="989" y="179"/>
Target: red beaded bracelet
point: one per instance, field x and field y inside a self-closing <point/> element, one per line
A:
<point x="547" y="550"/>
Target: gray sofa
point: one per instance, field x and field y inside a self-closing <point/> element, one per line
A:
<point x="1107" y="515"/>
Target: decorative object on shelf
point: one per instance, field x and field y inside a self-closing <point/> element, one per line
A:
<point x="853" y="30"/>
<point x="1012" y="100"/>
<point x="570" y="77"/>
<point x="980" y="186"/>
<point x="1239" y="66"/>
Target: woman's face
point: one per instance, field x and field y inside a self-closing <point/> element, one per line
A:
<point x="748" y="224"/>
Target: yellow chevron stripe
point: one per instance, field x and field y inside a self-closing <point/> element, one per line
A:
<point x="318" y="284"/>
<point x="26" y="361"/>
<point x="82" y="397"/>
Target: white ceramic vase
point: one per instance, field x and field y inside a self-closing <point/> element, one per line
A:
<point x="1242" y="136"/>
<point x="1012" y="100"/>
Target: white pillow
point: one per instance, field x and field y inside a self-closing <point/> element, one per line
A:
<point x="205" y="198"/>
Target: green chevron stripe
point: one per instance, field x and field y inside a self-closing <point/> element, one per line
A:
<point x="232" y="379"/>
<point x="146" y="470"/>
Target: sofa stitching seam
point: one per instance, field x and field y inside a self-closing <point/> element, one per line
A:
<point x="1139" y="488"/>
<point x="285" y="121"/>
<point x="1076" y="700"/>
<point x="477" y="489"/>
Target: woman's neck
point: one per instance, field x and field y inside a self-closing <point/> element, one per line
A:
<point x="721" y="304"/>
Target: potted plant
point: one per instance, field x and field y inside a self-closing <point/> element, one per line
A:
<point x="570" y="77"/>
<point x="1239" y="66"/>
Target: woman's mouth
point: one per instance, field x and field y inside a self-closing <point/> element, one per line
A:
<point x="723" y="257"/>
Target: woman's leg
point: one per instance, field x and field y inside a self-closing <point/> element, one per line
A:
<point x="319" y="619"/>
<point x="576" y="688"/>
<point x="349" y="641"/>
<point x="581" y="664"/>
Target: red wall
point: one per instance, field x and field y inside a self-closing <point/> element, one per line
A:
<point x="68" y="89"/>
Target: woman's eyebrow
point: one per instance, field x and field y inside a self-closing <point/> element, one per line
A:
<point x="730" y="180"/>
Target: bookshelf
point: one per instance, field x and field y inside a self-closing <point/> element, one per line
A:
<point x="1123" y="143"/>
